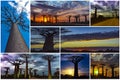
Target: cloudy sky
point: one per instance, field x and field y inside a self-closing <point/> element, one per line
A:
<point x="35" y="62"/>
<point x="90" y="37"/>
<point x="17" y="6"/>
<point x="105" y="7"/>
<point x="67" y="67"/>
<point x="60" y="8"/>
<point x="105" y="58"/>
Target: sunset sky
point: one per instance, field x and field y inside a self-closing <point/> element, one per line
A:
<point x="90" y="37"/>
<point x="67" y="67"/>
<point x="61" y="8"/>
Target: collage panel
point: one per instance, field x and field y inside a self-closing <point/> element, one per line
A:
<point x="75" y="66"/>
<point x="45" y="39"/>
<point x="105" y="13"/>
<point x="14" y="26"/>
<point x="30" y="66"/>
<point x="59" y="13"/>
<point x="90" y="39"/>
<point x="104" y="66"/>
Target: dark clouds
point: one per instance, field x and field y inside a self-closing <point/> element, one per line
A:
<point x="91" y="36"/>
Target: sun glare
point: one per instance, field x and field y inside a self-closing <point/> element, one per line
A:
<point x="68" y="71"/>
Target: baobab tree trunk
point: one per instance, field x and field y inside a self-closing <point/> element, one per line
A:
<point x="48" y="45"/>
<point x="95" y="14"/>
<point x="49" y="70"/>
<point x="15" y="41"/>
<point x="75" y="70"/>
<point x="26" y="69"/>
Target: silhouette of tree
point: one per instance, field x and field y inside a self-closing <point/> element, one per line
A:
<point x="56" y="74"/>
<point x="49" y="58"/>
<point x="16" y="63"/>
<point x="75" y="60"/>
<point x="26" y="56"/>
<point x="11" y="18"/>
<point x="35" y="72"/>
<point x="48" y="34"/>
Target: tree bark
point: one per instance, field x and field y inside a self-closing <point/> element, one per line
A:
<point x="48" y="45"/>
<point x="15" y="41"/>
<point x="49" y="70"/>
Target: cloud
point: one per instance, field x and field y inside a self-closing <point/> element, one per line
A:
<point x="21" y="4"/>
<point x="91" y="36"/>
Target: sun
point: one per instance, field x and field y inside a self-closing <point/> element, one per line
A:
<point x="45" y="19"/>
<point x="96" y="72"/>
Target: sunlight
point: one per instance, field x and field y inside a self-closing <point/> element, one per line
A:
<point x="68" y="71"/>
<point x="96" y="72"/>
<point x="45" y="19"/>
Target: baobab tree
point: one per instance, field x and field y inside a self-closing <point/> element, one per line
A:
<point x="48" y="34"/>
<point x="26" y="56"/>
<point x="75" y="60"/>
<point x="6" y="71"/>
<point x="69" y="18"/>
<point x="16" y="63"/>
<point x="14" y="21"/>
<point x="49" y="58"/>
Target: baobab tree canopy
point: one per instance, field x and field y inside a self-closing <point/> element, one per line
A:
<point x="14" y="13"/>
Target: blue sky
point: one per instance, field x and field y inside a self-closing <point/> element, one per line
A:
<point x="5" y="28"/>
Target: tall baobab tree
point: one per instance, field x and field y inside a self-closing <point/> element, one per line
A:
<point x="16" y="63"/>
<point x="13" y="20"/>
<point x="75" y="60"/>
<point x="49" y="58"/>
<point x="48" y="34"/>
<point x="6" y="71"/>
<point x="69" y="18"/>
<point x="26" y="56"/>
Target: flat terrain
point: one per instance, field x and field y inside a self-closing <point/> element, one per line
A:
<point x="109" y="22"/>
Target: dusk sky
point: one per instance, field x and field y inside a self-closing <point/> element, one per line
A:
<point x="105" y="7"/>
<point x="37" y="38"/>
<point x="67" y="67"/>
<point x="35" y="62"/>
<point x="17" y="5"/>
<point x="60" y="8"/>
<point x="90" y="37"/>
